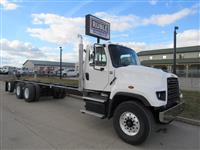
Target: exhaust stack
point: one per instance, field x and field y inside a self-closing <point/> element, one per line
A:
<point x="80" y="63"/>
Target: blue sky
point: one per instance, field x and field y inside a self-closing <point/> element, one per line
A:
<point x="35" y="29"/>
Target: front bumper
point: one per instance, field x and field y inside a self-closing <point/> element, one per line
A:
<point x="170" y="114"/>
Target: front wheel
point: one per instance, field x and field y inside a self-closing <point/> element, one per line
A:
<point x="132" y="122"/>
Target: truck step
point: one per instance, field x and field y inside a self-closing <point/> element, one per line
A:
<point x="94" y="99"/>
<point x="92" y="113"/>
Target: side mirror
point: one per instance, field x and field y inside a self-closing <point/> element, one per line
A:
<point x="95" y="65"/>
<point x="91" y="57"/>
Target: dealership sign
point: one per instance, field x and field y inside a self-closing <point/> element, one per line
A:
<point x="97" y="27"/>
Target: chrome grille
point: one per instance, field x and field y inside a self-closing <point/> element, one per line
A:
<point x="173" y="90"/>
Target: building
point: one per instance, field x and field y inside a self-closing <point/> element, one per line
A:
<point x="188" y="60"/>
<point x="46" y="66"/>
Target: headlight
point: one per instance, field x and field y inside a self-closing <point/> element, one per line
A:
<point x="161" y="95"/>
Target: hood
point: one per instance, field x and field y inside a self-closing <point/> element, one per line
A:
<point x="142" y="75"/>
<point x="135" y="69"/>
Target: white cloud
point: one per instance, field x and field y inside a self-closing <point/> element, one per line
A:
<point x="120" y="23"/>
<point x="23" y="49"/>
<point x="60" y="30"/>
<point x="140" y="46"/>
<point x="66" y="57"/>
<point x="54" y="54"/>
<point x="137" y="46"/>
<point x="64" y="30"/>
<point x="189" y="37"/>
<point x="116" y="36"/>
<point x="16" y="52"/>
<point x="186" y="38"/>
<point x="163" y="32"/>
<point x="153" y="2"/>
<point x="165" y="19"/>
<point x="8" y="5"/>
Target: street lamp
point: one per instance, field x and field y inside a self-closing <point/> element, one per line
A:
<point x="174" y="62"/>
<point x="60" y="62"/>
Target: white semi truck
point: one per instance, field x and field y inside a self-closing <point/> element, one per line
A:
<point x="113" y="84"/>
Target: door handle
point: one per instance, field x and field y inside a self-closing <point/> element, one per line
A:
<point x="87" y="76"/>
<point x="101" y="69"/>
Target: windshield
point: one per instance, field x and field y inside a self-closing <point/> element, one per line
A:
<point x="122" y="56"/>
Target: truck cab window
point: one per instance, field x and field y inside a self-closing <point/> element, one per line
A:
<point x="99" y="58"/>
<point x="125" y="60"/>
<point x="122" y="56"/>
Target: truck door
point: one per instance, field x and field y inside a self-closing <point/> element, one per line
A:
<point x="96" y="73"/>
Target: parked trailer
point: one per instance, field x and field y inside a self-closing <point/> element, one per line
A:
<point x="113" y="84"/>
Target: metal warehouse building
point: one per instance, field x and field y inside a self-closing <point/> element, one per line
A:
<point x="188" y="60"/>
<point x="46" y="66"/>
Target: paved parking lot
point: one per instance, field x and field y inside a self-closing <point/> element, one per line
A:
<point x="58" y="124"/>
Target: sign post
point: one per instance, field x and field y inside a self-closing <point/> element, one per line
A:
<point x="97" y="28"/>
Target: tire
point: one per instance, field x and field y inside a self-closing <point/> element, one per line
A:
<point x="19" y="91"/>
<point x="62" y="93"/>
<point x="55" y="93"/>
<point x="11" y="86"/>
<point x="64" y="75"/>
<point x="58" y="93"/>
<point x="37" y="92"/>
<point x="29" y="93"/>
<point x="6" y="86"/>
<point x="132" y="122"/>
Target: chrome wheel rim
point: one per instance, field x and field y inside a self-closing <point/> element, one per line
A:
<point x="18" y="90"/>
<point x="129" y="123"/>
<point x="26" y="93"/>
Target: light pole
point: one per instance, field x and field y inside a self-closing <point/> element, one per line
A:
<point x="174" y="62"/>
<point x="60" y="62"/>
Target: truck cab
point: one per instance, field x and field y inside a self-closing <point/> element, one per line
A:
<point x="114" y="68"/>
<point x="116" y="85"/>
<point x="102" y="62"/>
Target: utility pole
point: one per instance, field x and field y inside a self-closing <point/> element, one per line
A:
<point x="60" y="62"/>
<point x="174" y="62"/>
